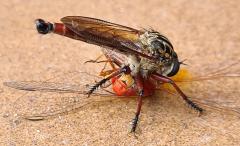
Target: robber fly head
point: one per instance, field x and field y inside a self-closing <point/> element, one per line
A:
<point x="161" y="48"/>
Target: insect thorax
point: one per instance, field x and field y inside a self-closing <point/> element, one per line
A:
<point x="159" y="47"/>
<point x="156" y="45"/>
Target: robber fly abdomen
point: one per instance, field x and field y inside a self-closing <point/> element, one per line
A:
<point x="148" y="54"/>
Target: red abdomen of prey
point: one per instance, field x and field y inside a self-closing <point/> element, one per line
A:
<point x="124" y="86"/>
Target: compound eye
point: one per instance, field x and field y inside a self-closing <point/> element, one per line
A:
<point x="175" y="68"/>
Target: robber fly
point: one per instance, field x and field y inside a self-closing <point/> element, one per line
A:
<point x="149" y="54"/>
<point x="142" y="55"/>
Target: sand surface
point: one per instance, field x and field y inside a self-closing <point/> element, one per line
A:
<point x="206" y="33"/>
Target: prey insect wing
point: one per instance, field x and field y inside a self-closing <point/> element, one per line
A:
<point x="54" y="98"/>
<point x="226" y="107"/>
<point x="199" y="88"/>
<point x="45" y="86"/>
<point x="50" y="98"/>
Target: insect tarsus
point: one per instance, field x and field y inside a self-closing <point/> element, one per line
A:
<point x="184" y="97"/>
<point x="194" y="105"/>
<point x="94" y="87"/>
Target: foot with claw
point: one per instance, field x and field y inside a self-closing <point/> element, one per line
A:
<point x="134" y="124"/>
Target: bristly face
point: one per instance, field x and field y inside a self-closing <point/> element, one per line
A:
<point x="161" y="48"/>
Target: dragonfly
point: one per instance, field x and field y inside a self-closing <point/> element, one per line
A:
<point x="140" y="60"/>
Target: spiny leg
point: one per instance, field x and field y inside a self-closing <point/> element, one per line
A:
<point x="124" y="69"/>
<point x="139" y="84"/>
<point x="185" y="98"/>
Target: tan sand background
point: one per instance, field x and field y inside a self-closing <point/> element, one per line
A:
<point x="206" y="32"/>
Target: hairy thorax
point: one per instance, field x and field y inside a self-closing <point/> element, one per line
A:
<point x="159" y="47"/>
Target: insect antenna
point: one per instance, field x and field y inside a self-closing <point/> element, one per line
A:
<point x="183" y="62"/>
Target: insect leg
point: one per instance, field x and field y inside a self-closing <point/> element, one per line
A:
<point x="103" y="73"/>
<point x="124" y="69"/>
<point x="107" y="72"/>
<point x="95" y="60"/>
<point x="139" y="83"/>
<point x="110" y="62"/>
<point x="185" y="98"/>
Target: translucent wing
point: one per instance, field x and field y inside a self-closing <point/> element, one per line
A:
<point x="47" y="86"/>
<point x="44" y="102"/>
<point x="110" y="35"/>
<point x="216" y="90"/>
<point x="51" y="98"/>
<point x="101" y="27"/>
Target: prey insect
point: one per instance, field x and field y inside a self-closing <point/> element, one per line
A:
<point x="143" y="58"/>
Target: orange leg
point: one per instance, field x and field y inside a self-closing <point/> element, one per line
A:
<point x="108" y="72"/>
<point x="95" y="60"/>
<point x="103" y="72"/>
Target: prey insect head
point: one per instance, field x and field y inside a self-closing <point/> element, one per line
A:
<point x="43" y="27"/>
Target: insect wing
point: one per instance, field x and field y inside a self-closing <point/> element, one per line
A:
<point x="51" y="98"/>
<point x="106" y="34"/>
<point x="207" y="91"/>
